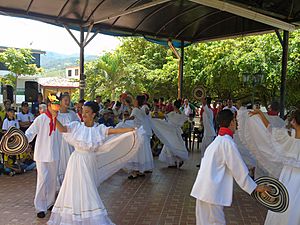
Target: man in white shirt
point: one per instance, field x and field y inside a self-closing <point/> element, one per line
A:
<point x="46" y="155"/>
<point x="208" y="124"/>
<point x="221" y="163"/>
<point x="231" y="106"/>
<point x="24" y="117"/>
<point x="99" y="102"/>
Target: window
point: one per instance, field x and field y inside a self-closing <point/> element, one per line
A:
<point x="69" y="73"/>
<point x="76" y="72"/>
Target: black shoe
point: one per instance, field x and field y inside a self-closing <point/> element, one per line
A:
<point x="180" y="164"/>
<point x="175" y="166"/>
<point x="41" y="215"/>
<point x="50" y="208"/>
<point x="132" y="177"/>
<point x="198" y="165"/>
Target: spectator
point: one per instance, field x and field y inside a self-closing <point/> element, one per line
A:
<point x="10" y="121"/>
<point x="106" y="118"/>
<point x="188" y="108"/>
<point x="169" y="106"/>
<point x="79" y="109"/>
<point x="11" y="167"/>
<point x="7" y="104"/>
<point x="25" y="160"/>
<point x="99" y="102"/>
<point x="161" y="105"/>
<point x="2" y="118"/>
<point x="24" y="117"/>
<point x="42" y="108"/>
<point x="231" y="106"/>
<point x="35" y="105"/>
<point x="117" y="112"/>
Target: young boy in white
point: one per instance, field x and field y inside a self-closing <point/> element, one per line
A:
<point x="221" y="163"/>
<point x="46" y="155"/>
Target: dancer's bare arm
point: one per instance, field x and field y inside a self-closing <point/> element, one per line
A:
<point x="119" y="130"/>
<point x="59" y="126"/>
<point x="261" y="115"/>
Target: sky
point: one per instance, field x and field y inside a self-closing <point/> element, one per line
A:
<point x="25" y="33"/>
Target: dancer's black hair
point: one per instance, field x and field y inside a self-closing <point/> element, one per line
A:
<point x="93" y="105"/>
<point x="224" y="118"/>
<point x="177" y="104"/>
<point x="140" y="99"/>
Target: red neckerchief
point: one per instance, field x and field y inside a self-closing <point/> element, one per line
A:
<point x="52" y="123"/>
<point x="80" y="116"/>
<point x="224" y="130"/>
<point x="272" y="113"/>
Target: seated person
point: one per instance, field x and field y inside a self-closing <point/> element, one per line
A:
<point x="10" y="121"/>
<point x="157" y="113"/>
<point x="11" y="166"/>
<point x="24" y="117"/>
<point x="25" y="160"/>
<point x="106" y="118"/>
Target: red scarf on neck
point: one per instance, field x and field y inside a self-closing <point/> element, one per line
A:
<point x="80" y="116"/>
<point x="272" y="113"/>
<point x="224" y="130"/>
<point x="52" y="123"/>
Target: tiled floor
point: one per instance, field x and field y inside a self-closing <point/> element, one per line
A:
<point x="161" y="198"/>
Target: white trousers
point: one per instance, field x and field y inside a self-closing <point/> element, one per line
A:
<point x="209" y="214"/>
<point x="46" y="185"/>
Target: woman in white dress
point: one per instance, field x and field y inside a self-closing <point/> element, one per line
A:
<point x="65" y="116"/>
<point x="143" y="161"/>
<point x="94" y="159"/>
<point x="169" y="132"/>
<point x="275" y="145"/>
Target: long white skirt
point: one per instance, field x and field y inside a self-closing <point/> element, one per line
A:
<point x="65" y="152"/>
<point x="206" y="141"/>
<point x="290" y="177"/>
<point x="143" y="160"/>
<point x="174" y="147"/>
<point x="78" y="202"/>
<point x="168" y="157"/>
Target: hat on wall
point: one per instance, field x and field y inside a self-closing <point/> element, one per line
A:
<point x="13" y="142"/>
<point x="277" y="200"/>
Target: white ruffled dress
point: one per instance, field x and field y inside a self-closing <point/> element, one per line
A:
<point x="65" y="149"/>
<point x="279" y="153"/>
<point x="95" y="159"/>
<point x="143" y="160"/>
<point x="170" y="134"/>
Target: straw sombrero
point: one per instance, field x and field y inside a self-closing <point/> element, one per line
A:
<point x="277" y="200"/>
<point x="13" y="142"/>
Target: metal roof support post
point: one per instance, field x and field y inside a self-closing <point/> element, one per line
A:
<point x="285" y="48"/>
<point x="180" y="74"/>
<point x="181" y="63"/>
<point x="81" y="64"/>
<point x="82" y="43"/>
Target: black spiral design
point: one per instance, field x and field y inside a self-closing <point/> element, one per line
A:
<point x="13" y="142"/>
<point x="277" y="200"/>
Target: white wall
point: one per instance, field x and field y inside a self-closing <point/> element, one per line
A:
<point x="72" y="72"/>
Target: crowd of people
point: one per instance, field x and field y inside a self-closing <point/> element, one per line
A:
<point x="226" y="150"/>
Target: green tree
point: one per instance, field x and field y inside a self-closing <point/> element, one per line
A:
<point x="105" y="75"/>
<point x="220" y="66"/>
<point x="19" y="62"/>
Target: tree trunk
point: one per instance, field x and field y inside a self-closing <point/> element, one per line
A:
<point x="15" y="93"/>
<point x="113" y="93"/>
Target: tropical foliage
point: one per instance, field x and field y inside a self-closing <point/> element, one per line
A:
<point x="141" y="66"/>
